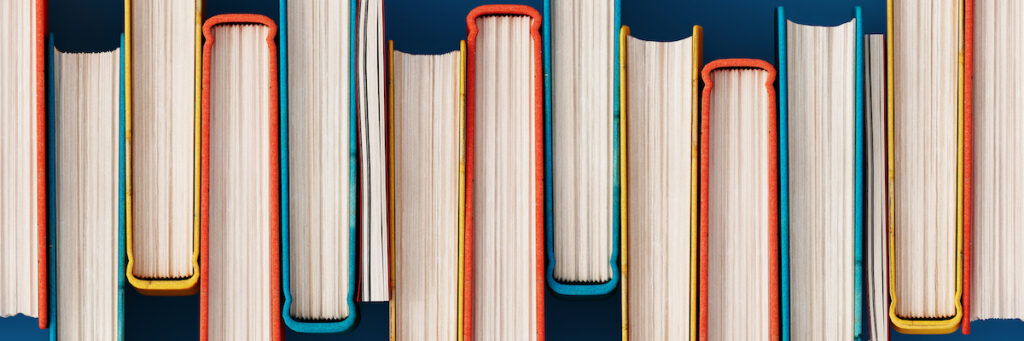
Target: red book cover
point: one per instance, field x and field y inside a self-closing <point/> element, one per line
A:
<point x="538" y="158"/>
<point x="773" y="188"/>
<point x="41" y="159"/>
<point x="968" y="159"/>
<point x="275" y="214"/>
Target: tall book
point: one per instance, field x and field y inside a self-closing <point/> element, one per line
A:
<point x="426" y="191"/>
<point x="162" y="117"/>
<point x="371" y="109"/>
<point x="85" y="234"/>
<point x="23" y="195"/>
<point x="503" y="296"/>
<point x="239" y="288"/>
<point x="998" y="248"/>
<point x="319" y="165"/>
<point x="659" y="190"/>
<point x="739" y="202"/>
<point x="928" y="154"/>
<point x="581" y="145"/>
<point x="821" y="174"/>
<point x="876" y="247"/>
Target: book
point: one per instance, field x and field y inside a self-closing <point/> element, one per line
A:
<point x="876" y="248"/>
<point x="23" y="272"/>
<point x="659" y="83"/>
<point x="995" y="107"/>
<point x="503" y="293"/>
<point x="85" y="232"/>
<point x="426" y="182"/>
<point x="319" y="168"/>
<point x="929" y="165"/>
<point x="239" y="285"/>
<point x="371" y="117"/>
<point x="581" y="145"/>
<point x="162" y="114"/>
<point x="821" y="175"/>
<point x="739" y="202"/>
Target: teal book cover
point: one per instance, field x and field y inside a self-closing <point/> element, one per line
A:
<point x="298" y="325"/>
<point x="51" y="232"/>
<point x="560" y="287"/>
<point x="858" y="171"/>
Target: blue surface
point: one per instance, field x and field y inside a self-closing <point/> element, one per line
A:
<point x="732" y="28"/>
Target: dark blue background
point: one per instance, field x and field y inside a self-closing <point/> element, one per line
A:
<point x="732" y="28"/>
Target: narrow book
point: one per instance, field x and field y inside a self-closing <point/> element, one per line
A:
<point x="239" y="293"/>
<point x="370" y="108"/>
<point x="876" y="247"/>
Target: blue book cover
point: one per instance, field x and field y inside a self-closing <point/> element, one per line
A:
<point x="350" y="321"/>
<point x="51" y="214"/>
<point x="858" y="182"/>
<point x="581" y="289"/>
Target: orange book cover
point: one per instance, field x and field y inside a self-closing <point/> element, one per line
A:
<point x="968" y="158"/>
<point x="41" y="159"/>
<point x="538" y="158"/>
<point x="773" y="188"/>
<point x="275" y="214"/>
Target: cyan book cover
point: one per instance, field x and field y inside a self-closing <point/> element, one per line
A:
<point x="858" y="183"/>
<point x="292" y="323"/>
<point x="559" y="287"/>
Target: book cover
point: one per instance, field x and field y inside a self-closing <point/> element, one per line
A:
<point x="858" y="189"/>
<point x="582" y="289"/>
<point x="43" y="173"/>
<point x="963" y="201"/>
<point x="48" y="304"/>
<point x="698" y="60"/>
<point x="467" y="280"/>
<point x="773" y="188"/>
<point x="350" y="321"/>
<point x="275" y="204"/>
<point x="391" y="173"/>
<point x="161" y="287"/>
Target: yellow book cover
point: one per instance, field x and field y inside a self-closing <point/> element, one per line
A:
<point x="698" y="57"/>
<point x="161" y="287"/>
<point x="391" y="191"/>
<point x="917" y="325"/>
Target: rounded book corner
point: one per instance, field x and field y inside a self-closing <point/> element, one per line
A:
<point x="925" y="326"/>
<point x="164" y="287"/>
<point x="583" y="290"/>
<point x="309" y="327"/>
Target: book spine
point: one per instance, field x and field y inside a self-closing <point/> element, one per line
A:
<point x="783" y="122"/>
